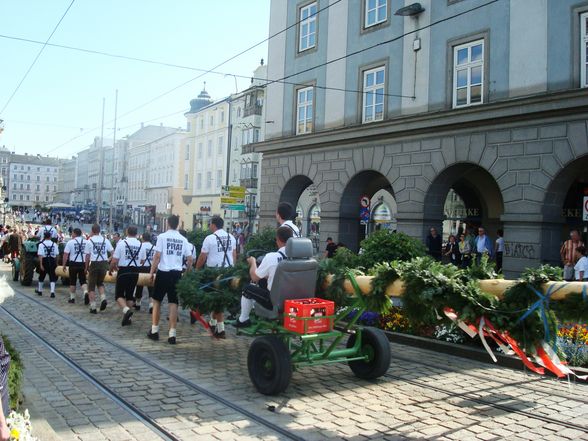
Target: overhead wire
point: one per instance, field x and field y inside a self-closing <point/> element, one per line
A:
<point x="36" y="58"/>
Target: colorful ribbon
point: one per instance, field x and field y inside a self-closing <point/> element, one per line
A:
<point x="543" y="305"/>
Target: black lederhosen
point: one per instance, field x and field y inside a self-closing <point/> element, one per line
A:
<point x="126" y="281"/>
<point x="165" y="283"/>
<point x="77" y="271"/>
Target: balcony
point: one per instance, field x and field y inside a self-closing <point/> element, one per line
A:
<point x="249" y="183"/>
<point x="252" y="110"/>
<point x="248" y="148"/>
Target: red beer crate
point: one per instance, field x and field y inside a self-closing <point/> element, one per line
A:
<point x="309" y="316"/>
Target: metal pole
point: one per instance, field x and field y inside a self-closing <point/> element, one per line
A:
<point x="113" y="153"/>
<point x="101" y="166"/>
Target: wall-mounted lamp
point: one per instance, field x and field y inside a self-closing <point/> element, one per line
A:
<point x="411" y="10"/>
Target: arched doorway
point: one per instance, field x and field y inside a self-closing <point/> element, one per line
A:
<point x="463" y="194"/>
<point x="563" y="209"/>
<point x="383" y="212"/>
<point x="366" y="183"/>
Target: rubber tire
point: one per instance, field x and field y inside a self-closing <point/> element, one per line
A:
<point x="375" y="341"/>
<point x="28" y="271"/>
<point x="269" y="348"/>
<point x="14" y="273"/>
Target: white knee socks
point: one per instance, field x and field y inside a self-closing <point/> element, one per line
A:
<point x="246" y="307"/>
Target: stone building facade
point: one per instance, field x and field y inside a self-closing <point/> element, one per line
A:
<point x="517" y="157"/>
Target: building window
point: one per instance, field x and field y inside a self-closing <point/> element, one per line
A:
<point x="28" y="186"/>
<point x="307" y="27"/>
<point x="219" y="178"/>
<point x="38" y="178"/>
<point x="201" y="123"/>
<point x="376" y="12"/>
<point x="208" y="179"/>
<point x="27" y="197"/>
<point x="468" y="74"/>
<point x="584" y="49"/>
<point x="211" y="120"/>
<point x="373" y="94"/>
<point x="304" y="113"/>
<point x="209" y="148"/>
<point x="222" y="116"/>
<point x="21" y="198"/>
<point x="187" y="154"/>
<point x="238" y="112"/>
<point x="221" y="141"/>
<point x="14" y="186"/>
<point x="46" y="198"/>
<point x="199" y="181"/>
<point x="200" y="150"/>
<point x="28" y="177"/>
<point x="255" y="135"/>
<point x="21" y="186"/>
<point x="38" y="187"/>
<point x="186" y="179"/>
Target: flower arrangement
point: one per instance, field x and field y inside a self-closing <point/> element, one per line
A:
<point x="20" y="426"/>
<point x="572" y="343"/>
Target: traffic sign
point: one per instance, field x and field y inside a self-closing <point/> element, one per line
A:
<point x="234" y="207"/>
<point x="364" y="210"/>
<point x="233" y="191"/>
<point x="231" y="200"/>
<point x="364" y="201"/>
<point x="585" y="209"/>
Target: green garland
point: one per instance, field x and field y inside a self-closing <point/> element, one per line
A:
<point x="15" y="374"/>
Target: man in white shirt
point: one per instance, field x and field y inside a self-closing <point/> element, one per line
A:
<point x="266" y="270"/>
<point x="47" y="253"/>
<point x="145" y="259"/>
<point x="499" y="250"/>
<point x="170" y="250"/>
<point x="97" y="250"/>
<point x="125" y="261"/>
<point x="73" y="257"/>
<point x="47" y="228"/>
<point x="284" y="215"/>
<point x="219" y="250"/>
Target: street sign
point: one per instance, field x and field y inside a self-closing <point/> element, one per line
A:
<point x="233" y="191"/>
<point x="234" y="207"/>
<point x="231" y="200"/>
<point x="585" y="209"/>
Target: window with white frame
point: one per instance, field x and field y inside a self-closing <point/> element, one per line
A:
<point x="304" y="110"/>
<point x="584" y="49"/>
<point x="373" y="94"/>
<point x="468" y="74"/>
<point x="376" y="12"/>
<point x="307" y="27"/>
<point x="219" y="178"/>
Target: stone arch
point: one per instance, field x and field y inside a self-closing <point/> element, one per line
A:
<point x="293" y="189"/>
<point x="366" y="182"/>
<point x="557" y="195"/>
<point x="475" y="186"/>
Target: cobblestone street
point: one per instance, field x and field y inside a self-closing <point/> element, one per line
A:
<point x="425" y="395"/>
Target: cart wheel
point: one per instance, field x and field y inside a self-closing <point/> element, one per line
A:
<point x="376" y="346"/>
<point x="269" y="365"/>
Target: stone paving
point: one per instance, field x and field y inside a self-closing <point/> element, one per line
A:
<point x="424" y="396"/>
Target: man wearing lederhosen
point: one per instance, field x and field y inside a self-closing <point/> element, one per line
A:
<point x="170" y="250"/>
<point x="145" y="259"/>
<point x="125" y="261"/>
<point x="47" y="253"/>
<point x="97" y="249"/>
<point x="47" y="228"/>
<point x="73" y="257"/>
<point x="219" y="250"/>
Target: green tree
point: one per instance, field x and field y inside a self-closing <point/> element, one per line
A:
<point x="385" y="246"/>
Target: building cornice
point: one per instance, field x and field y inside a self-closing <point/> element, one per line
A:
<point x="511" y="112"/>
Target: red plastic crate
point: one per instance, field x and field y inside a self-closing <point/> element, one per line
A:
<point x="302" y="315"/>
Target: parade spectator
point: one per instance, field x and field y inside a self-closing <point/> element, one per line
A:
<point x="331" y="248"/>
<point x="581" y="267"/>
<point x="465" y="251"/>
<point x="499" y="250"/>
<point x="434" y="244"/>
<point x="285" y="214"/>
<point x="452" y="251"/>
<point x="482" y="245"/>
<point x="568" y="254"/>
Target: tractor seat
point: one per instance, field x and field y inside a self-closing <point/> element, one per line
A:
<point x="295" y="277"/>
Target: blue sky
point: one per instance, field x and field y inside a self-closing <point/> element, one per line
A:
<point x="64" y="91"/>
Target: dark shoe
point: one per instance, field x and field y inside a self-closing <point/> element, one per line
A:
<point x="153" y="336"/>
<point x="52" y="295"/>
<point x="39" y="292"/>
<point x="220" y="335"/>
<point x="137" y="307"/>
<point x="240" y="324"/>
<point x="86" y="299"/>
<point x="93" y="311"/>
<point x="103" y="304"/>
<point x="71" y="301"/>
<point x="171" y="340"/>
<point x="150" y="309"/>
<point x="126" y="321"/>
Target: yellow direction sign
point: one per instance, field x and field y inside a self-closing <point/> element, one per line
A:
<point x="233" y="191"/>
<point x="231" y="200"/>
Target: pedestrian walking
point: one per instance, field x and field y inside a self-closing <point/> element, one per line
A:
<point x="47" y="253"/>
<point x="145" y="259"/>
<point x="73" y="257"/>
<point x="125" y="260"/>
<point x="434" y="244"/>
<point x="568" y="254"/>
<point x="97" y="250"/>
<point x="482" y="245"/>
<point x="47" y="228"/>
<point x="285" y="214"/>
<point x="218" y="251"/>
<point x="170" y="250"/>
<point x="499" y="250"/>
